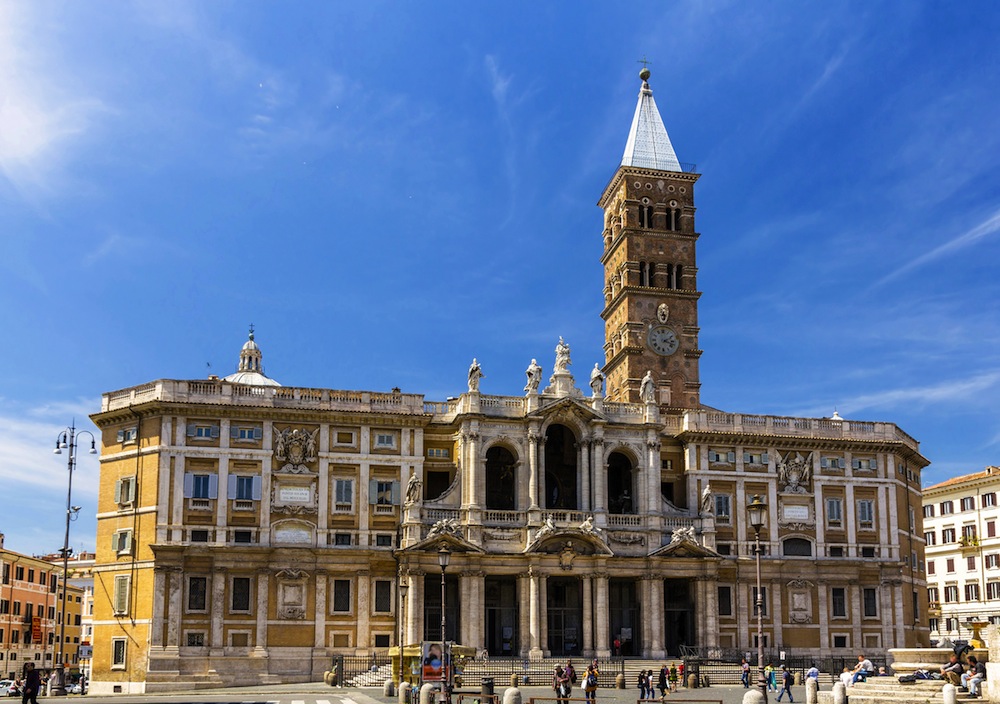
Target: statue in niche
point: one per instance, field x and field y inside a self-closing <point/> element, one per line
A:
<point x="475" y="374"/>
<point x="647" y="389"/>
<point x="706" y="500"/>
<point x="562" y="356"/>
<point x="534" y="373"/>
<point x="795" y="473"/>
<point x="597" y="381"/>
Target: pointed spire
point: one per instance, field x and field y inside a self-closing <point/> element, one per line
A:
<point x="648" y="145"/>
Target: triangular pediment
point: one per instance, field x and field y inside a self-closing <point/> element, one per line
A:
<point x="684" y="547"/>
<point x="573" y="407"/>
<point x="435" y="541"/>
<point x="577" y="540"/>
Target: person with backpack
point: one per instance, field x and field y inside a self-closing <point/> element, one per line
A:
<point x="590" y="682"/>
<point x="786" y="683"/>
<point x="570" y="672"/>
<point x="560" y="683"/>
<point x="745" y="673"/>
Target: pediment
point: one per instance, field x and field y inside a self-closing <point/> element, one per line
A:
<point x="435" y="541"/>
<point x="560" y="540"/>
<point x="684" y="547"/>
<point x="574" y="407"/>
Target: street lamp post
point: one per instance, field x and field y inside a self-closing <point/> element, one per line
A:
<point x="444" y="557"/>
<point x="67" y="440"/>
<point x="757" y="511"/>
<point x="403" y="586"/>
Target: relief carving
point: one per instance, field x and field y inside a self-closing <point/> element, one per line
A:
<point x="295" y="447"/>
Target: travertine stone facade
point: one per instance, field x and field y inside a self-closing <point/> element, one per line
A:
<point x="248" y="531"/>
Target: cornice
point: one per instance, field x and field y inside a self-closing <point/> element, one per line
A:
<point x="623" y="171"/>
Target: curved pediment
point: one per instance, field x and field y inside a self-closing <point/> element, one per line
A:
<point x="558" y="541"/>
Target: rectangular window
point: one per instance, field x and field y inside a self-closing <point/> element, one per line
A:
<point x="989" y="499"/>
<point x="725" y="601"/>
<point x="950" y="565"/>
<point x="722" y="508"/>
<point x="834" y="512"/>
<point x="970" y="563"/>
<point x="240" y="602"/>
<point x="31" y="575"/>
<point x="838" y="602"/>
<point x="127" y="435"/>
<point x="991" y="529"/>
<point x="836" y="551"/>
<point x="199" y="536"/>
<point x="4" y="606"/>
<point x="202" y="431"/>
<point x="344" y="490"/>
<point x="870" y="596"/>
<point x="384" y="493"/>
<point x="951" y="594"/>
<point x="993" y="590"/>
<point x="864" y="464"/>
<point x="383" y="540"/>
<point x="125" y="491"/>
<point x="118" y="653"/>
<point x="19" y="573"/>
<point x="929" y="537"/>
<point x="121" y="542"/>
<point x="992" y="561"/>
<point x="342" y="595"/>
<point x="947" y="536"/>
<point x="245" y="488"/>
<point x="972" y="592"/>
<point x="245" y="433"/>
<point x="867" y="551"/>
<point x="197" y="593"/>
<point x="763" y="597"/>
<point x="344" y="437"/>
<point x="932" y="595"/>
<point x="721" y="457"/>
<point x="947" y="507"/>
<point x="439" y="453"/>
<point x="757" y="458"/>
<point x="968" y="503"/>
<point x="385" y="441"/>
<point x="383" y="596"/>
<point x="929" y="511"/>
<point x="123" y="585"/>
<point x="243" y="536"/>
<point x="200" y="486"/>
<point x="196" y="640"/>
<point x="342" y="539"/>
<point x="866" y="513"/>
<point x="832" y="463"/>
<point x="969" y="532"/>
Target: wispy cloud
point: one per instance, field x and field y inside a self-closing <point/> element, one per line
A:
<point x="984" y="229"/>
<point x="44" y="106"/>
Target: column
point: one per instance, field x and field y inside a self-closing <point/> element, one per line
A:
<point x="466" y="601"/>
<point x="265" y="487"/>
<point x="319" y="615"/>
<point x="850" y="521"/>
<point x="160" y="579"/>
<point x="176" y="590"/>
<point x="656" y="623"/>
<point x="822" y="603"/>
<point x="219" y="578"/>
<point x="524" y="608"/>
<point x="477" y="608"/>
<point x="710" y="614"/>
<point x="263" y="583"/>
<point x="588" y="616"/>
<point x="474" y="469"/>
<point x="644" y="627"/>
<point x="600" y="478"/>
<point x="855" y="596"/>
<point x="587" y="500"/>
<point x="653" y="474"/>
<point x="415" y="607"/>
<point x="364" y="474"/>
<point x="603" y="645"/>
<point x="543" y="614"/>
<point x="534" y="613"/>
<point x="222" y="502"/>
<point x="364" y="609"/>
<point x="533" y="465"/>
<point x="900" y="623"/>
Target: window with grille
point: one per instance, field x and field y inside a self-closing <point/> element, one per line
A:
<point x="118" y="653"/>
<point x="870" y="601"/>
<point x="240" y="597"/>
<point x="838" y="602"/>
<point x="383" y="596"/>
<point x="341" y="595"/>
<point x="197" y="593"/>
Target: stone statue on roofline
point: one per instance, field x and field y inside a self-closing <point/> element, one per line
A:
<point x="562" y="356"/>
<point x="475" y="374"/>
<point x="534" y="373"/>
<point x="647" y="389"/>
<point x="597" y="381"/>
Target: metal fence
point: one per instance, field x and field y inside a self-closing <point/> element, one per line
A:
<point x="727" y="670"/>
<point x="348" y="667"/>
<point x="537" y="672"/>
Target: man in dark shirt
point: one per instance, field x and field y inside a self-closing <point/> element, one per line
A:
<point x="953" y="671"/>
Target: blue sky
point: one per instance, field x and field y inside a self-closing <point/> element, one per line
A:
<point x="387" y="190"/>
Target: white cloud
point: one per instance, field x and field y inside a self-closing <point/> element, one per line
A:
<point x="44" y="105"/>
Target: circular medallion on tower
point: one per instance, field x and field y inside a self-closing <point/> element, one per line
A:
<point x="663" y="340"/>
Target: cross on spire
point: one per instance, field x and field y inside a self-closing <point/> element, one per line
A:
<point x="644" y="62"/>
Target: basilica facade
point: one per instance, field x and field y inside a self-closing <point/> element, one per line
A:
<point x="248" y="531"/>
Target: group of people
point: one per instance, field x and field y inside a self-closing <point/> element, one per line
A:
<point x="666" y="681"/>
<point x="968" y="680"/>
<point x="564" y="678"/>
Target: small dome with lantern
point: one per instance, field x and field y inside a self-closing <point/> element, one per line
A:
<point x="251" y="369"/>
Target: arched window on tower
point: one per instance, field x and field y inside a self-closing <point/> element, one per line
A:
<point x="679" y="276"/>
<point x="670" y="275"/>
<point x="643" y="280"/>
<point x="673" y="219"/>
<point x="646" y="216"/>
<point x="651" y="275"/>
<point x="501" y="479"/>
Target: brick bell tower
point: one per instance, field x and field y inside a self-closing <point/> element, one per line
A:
<point x="650" y="277"/>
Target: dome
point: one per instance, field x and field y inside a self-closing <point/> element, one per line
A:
<point x="251" y="369"/>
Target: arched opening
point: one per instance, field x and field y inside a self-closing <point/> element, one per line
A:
<point x="501" y="485"/>
<point x="560" y="468"/>
<point x="643" y="280"/>
<point x="679" y="277"/>
<point x="620" y="496"/>
<point x="796" y="547"/>
<point x="651" y="275"/>
<point x="670" y="275"/>
<point x="646" y="217"/>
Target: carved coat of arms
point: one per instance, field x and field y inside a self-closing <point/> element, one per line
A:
<point x="295" y="447"/>
<point x="795" y="473"/>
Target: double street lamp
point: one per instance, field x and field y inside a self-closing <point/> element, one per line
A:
<point x="757" y="511"/>
<point x="67" y="440"/>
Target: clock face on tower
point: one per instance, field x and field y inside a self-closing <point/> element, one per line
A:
<point x="663" y="340"/>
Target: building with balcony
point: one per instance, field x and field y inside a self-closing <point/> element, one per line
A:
<point x="248" y="531"/>
<point x="963" y="553"/>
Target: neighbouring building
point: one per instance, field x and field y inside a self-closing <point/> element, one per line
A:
<point x="31" y="614"/>
<point x="963" y="553"/>
<point x="247" y="531"/>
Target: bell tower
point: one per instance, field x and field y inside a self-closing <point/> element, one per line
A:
<point x="650" y="277"/>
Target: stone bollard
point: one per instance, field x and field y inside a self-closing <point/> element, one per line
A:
<point x="328" y="678"/>
<point x="797" y="678"/>
<point x="812" y="691"/>
<point x="427" y="694"/>
<point x="839" y="693"/>
<point x="404" y="692"/>
<point x="754" y="696"/>
<point x="513" y="680"/>
<point x="512" y="695"/>
<point x="388" y="690"/>
<point x="692" y="682"/>
<point x="949" y="693"/>
<point x="620" y="681"/>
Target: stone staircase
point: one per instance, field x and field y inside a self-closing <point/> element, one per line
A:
<point x="889" y="690"/>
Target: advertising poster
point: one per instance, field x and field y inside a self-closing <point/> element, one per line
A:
<point x="434" y="662"/>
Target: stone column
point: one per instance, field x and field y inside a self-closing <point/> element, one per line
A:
<point x="222" y="503"/>
<point x="653" y="474"/>
<point x="219" y="578"/>
<point x="533" y="466"/>
<point x="477" y="609"/>
<point x="475" y="471"/>
<point x="524" y="608"/>
<point x="176" y="579"/>
<point x="265" y="487"/>
<point x="466" y="600"/>
<point x="364" y="610"/>
<point x="644" y="627"/>
<point x="709" y="616"/>
<point x="600" y="478"/>
<point x="587" y="499"/>
<point x="263" y="582"/>
<point x="588" y="616"/>
<point x="534" y="614"/>
<point x="602" y="648"/>
<point x="161" y="579"/>
<point x="319" y="614"/>
<point x="364" y="510"/>
<point x="543" y="613"/>
<point x="656" y="623"/>
<point x="823" y="605"/>
<point x="854" y="594"/>
<point x="415" y="607"/>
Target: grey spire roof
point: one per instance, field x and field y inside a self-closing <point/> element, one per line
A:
<point x="648" y="145"/>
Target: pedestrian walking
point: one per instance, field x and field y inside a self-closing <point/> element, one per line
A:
<point x="786" y="683"/>
<point x="745" y="673"/>
<point x="772" y="685"/>
<point x="661" y="682"/>
<point x="32" y="683"/>
<point x="590" y="682"/>
<point x="672" y="676"/>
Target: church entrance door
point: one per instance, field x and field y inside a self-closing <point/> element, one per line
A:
<point x="564" y="603"/>
<point x="501" y="616"/>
